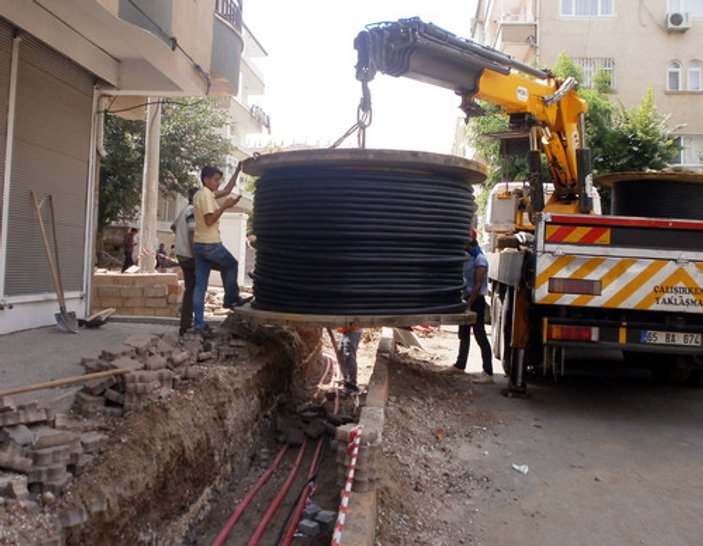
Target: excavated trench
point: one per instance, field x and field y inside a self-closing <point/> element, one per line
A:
<point x="174" y="471"/>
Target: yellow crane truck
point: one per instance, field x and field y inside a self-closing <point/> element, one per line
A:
<point x="563" y="277"/>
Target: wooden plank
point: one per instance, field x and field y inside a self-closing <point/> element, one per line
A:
<point x="349" y="321"/>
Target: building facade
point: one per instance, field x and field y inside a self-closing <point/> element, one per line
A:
<point x="640" y="44"/>
<point x="61" y="63"/>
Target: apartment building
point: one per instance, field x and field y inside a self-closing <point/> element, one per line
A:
<point x="641" y="44"/>
<point x="59" y="59"/>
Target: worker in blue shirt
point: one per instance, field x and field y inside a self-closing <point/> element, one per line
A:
<point x="476" y="278"/>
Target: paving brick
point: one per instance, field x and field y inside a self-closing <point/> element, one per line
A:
<point x="98" y="386"/>
<point x="156" y="362"/>
<point x="126" y="362"/>
<point x="142" y="377"/>
<point x="180" y="358"/>
<point x="14" y="487"/>
<point x="62" y="421"/>
<point x="79" y="462"/>
<point x="50" y="437"/>
<point x="12" y="458"/>
<point x="117" y="351"/>
<point x="20" y="434"/>
<point x="112" y="411"/>
<point x="311" y="510"/>
<point x="97" y="503"/>
<point x="73" y="517"/>
<point x="93" y="365"/>
<point x="326" y="517"/>
<point x="57" y="486"/>
<point x="141" y="342"/>
<point x="94" y="442"/>
<point x="88" y="405"/>
<point x="51" y="455"/>
<point x="114" y="396"/>
<point x="7" y="403"/>
<point x="163" y="348"/>
<point x="23" y="416"/>
<point x="205" y="355"/>
<point x="194" y="372"/>
<point x="46" y="473"/>
<point x="309" y="527"/>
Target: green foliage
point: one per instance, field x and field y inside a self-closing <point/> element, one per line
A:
<point x="620" y="139"/>
<point x="565" y="67"/>
<point x="488" y="150"/>
<point x="190" y="139"/>
<point x="641" y="139"/>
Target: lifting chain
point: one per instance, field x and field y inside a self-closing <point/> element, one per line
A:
<point x="364" y="116"/>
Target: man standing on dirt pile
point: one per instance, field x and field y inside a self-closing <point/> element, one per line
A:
<point x="208" y="250"/>
<point x="476" y="278"/>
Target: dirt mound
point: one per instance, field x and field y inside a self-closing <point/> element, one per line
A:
<point x="161" y="462"/>
<point x="428" y="447"/>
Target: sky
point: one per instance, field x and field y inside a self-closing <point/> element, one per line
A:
<point x="311" y="90"/>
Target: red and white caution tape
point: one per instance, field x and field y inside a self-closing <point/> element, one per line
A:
<point x="353" y="450"/>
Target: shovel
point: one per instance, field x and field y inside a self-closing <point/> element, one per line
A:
<point x="65" y="320"/>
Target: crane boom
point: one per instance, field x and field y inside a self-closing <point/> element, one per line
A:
<point x="538" y="103"/>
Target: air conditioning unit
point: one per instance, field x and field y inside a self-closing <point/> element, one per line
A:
<point x="677" y="21"/>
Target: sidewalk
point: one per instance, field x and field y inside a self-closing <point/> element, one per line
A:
<point x="45" y="354"/>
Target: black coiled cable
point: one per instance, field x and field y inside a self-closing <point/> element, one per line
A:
<point x="363" y="241"/>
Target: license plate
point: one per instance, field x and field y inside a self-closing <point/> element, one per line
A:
<point x="655" y="337"/>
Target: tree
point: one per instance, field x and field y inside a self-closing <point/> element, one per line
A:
<point x="190" y="139"/>
<point x="620" y="139"/>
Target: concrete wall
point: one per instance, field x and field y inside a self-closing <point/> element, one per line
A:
<point x="636" y="38"/>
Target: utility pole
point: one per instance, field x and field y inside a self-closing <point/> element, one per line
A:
<point x="150" y="187"/>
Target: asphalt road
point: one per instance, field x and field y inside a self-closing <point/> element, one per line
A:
<point x="613" y="459"/>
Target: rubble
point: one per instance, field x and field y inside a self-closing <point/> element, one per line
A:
<point x="45" y="451"/>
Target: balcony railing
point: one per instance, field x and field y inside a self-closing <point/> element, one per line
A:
<point x="231" y="11"/>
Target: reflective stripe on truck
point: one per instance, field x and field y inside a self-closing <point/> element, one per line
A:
<point x="619" y="283"/>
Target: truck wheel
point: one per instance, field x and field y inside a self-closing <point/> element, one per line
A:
<point x="496" y="324"/>
<point x="506" y="330"/>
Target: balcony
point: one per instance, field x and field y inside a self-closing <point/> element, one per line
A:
<point x="230" y="11"/>
<point x="516" y="36"/>
<point x="227" y="46"/>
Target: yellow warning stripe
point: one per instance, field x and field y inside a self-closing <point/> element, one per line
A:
<point x="616" y="272"/>
<point x="581" y="273"/>
<point x="556" y="266"/>
<point x="680" y="276"/>
<point x="632" y="286"/>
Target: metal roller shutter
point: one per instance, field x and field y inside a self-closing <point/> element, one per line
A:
<point x="50" y="156"/>
<point x="5" y="60"/>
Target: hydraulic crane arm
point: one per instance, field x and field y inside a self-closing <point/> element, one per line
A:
<point x="547" y="107"/>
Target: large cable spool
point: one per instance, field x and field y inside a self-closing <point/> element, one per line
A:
<point x="656" y="194"/>
<point x="363" y="232"/>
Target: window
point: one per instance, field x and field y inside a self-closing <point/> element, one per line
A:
<point x="673" y="76"/>
<point x="592" y="65"/>
<point x="691" y="152"/>
<point x="692" y="7"/>
<point x="587" y="8"/>
<point x="694" y="76"/>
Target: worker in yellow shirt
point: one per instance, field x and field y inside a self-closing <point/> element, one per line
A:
<point x="208" y="250"/>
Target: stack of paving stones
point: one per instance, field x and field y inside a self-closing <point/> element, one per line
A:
<point x="38" y="455"/>
<point x="155" y="363"/>
<point x="41" y="452"/>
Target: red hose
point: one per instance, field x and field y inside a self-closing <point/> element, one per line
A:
<point x="234" y="518"/>
<point x="293" y="525"/>
<point x="254" y="540"/>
